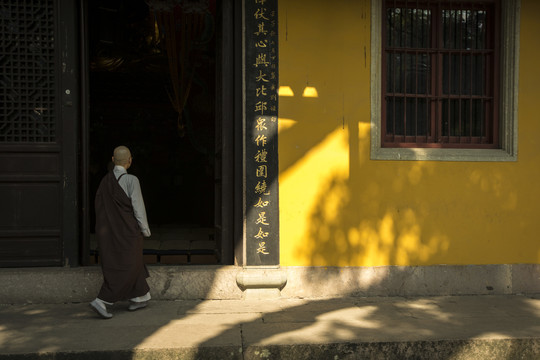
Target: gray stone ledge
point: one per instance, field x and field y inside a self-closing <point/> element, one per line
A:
<point x="314" y="282"/>
<point x="64" y="285"/>
<point x="419" y="350"/>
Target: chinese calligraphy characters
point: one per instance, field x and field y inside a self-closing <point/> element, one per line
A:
<point x="261" y="120"/>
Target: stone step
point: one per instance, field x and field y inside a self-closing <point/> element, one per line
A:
<point x="448" y="327"/>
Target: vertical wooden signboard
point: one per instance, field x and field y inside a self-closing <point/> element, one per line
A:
<point x="261" y="132"/>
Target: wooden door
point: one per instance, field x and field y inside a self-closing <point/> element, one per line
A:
<point x="38" y="132"/>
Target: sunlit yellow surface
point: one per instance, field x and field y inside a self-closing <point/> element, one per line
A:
<point x="285" y="91"/>
<point x="310" y="91"/>
<point x="339" y="208"/>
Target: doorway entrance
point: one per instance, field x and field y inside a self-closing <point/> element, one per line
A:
<point x="153" y="74"/>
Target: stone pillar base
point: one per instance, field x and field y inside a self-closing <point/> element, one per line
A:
<point x="261" y="283"/>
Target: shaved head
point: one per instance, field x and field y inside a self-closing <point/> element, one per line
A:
<point x="121" y="156"/>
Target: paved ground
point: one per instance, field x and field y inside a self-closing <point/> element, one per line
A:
<point x="468" y="327"/>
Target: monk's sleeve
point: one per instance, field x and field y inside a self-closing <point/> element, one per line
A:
<point x="138" y="207"/>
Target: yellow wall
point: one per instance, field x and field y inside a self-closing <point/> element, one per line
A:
<point x="339" y="208"/>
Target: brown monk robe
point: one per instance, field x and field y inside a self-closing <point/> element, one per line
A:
<point x="120" y="225"/>
<point x="120" y="244"/>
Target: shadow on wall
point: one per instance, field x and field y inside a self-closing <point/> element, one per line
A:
<point x="368" y="213"/>
<point x="340" y="208"/>
<point x="412" y="213"/>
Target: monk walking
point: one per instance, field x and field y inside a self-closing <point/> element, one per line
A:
<point x="120" y="226"/>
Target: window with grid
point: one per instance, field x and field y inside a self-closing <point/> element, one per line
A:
<point x="27" y="72"/>
<point x="440" y="66"/>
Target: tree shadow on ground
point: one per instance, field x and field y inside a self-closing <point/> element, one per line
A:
<point x="498" y="327"/>
<point x="468" y="327"/>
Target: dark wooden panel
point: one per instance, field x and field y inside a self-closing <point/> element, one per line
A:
<point x="30" y="251"/>
<point x="38" y="133"/>
<point x="30" y="206"/>
<point x="29" y="164"/>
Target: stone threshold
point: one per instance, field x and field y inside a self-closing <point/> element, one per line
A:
<point x="64" y="285"/>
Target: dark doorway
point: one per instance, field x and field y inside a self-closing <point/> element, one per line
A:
<point x="153" y="70"/>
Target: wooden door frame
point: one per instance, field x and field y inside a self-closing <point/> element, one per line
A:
<point x="84" y="134"/>
<point x="69" y="97"/>
<point x="227" y="107"/>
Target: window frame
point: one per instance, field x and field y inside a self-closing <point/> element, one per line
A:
<point x="508" y="97"/>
